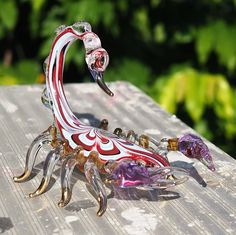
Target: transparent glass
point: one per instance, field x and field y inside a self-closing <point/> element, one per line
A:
<point x="128" y="160"/>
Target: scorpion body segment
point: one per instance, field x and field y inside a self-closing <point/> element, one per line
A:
<point x="128" y="160"/>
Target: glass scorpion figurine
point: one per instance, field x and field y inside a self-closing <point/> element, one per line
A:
<point x="126" y="159"/>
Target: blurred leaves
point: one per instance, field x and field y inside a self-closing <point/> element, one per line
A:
<point x="218" y="37"/>
<point x="159" y="33"/>
<point x="23" y="73"/>
<point x="182" y="53"/>
<point x="198" y="91"/>
<point x="37" y="5"/>
<point x="8" y="15"/>
<point x="133" y="71"/>
<point x="94" y="11"/>
<point x="141" y="22"/>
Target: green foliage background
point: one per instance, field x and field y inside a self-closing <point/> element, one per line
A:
<point x="180" y="52"/>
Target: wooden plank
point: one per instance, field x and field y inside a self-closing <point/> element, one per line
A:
<point x="185" y="209"/>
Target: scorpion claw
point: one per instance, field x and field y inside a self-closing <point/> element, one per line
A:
<point x="193" y="146"/>
<point x="94" y="179"/>
<point x="130" y="174"/>
<point x="166" y="183"/>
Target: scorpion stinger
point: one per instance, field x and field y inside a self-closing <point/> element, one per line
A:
<point x="126" y="159"/>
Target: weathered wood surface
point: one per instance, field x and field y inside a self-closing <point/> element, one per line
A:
<point x="185" y="209"/>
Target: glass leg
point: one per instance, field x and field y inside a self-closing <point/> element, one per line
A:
<point x="51" y="160"/>
<point x="94" y="179"/>
<point x="32" y="153"/>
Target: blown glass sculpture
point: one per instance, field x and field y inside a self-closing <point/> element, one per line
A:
<point x="126" y="159"/>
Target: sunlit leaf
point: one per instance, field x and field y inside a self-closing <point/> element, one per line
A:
<point x="159" y="33"/>
<point x="225" y="44"/>
<point x="218" y="37"/>
<point x="141" y="22"/>
<point x="108" y="13"/>
<point x="77" y="54"/>
<point x="167" y="98"/>
<point x="195" y="95"/>
<point x="202" y="127"/>
<point x="8" y="80"/>
<point x="24" y="72"/>
<point x="204" y="43"/>
<point x="197" y="91"/>
<point x="224" y="99"/>
<point x="45" y="48"/>
<point x="8" y="14"/>
<point x="181" y="85"/>
<point x="155" y="3"/>
<point x="27" y="71"/>
<point x="37" y="4"/>
<point x="210" y="88"/>
<point x="183" y="37"/>
<point x="130" y="70"/>
<point x="49" y="27"/>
